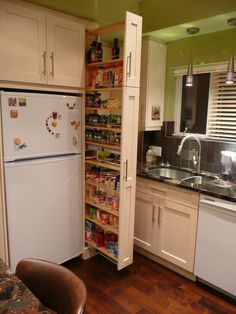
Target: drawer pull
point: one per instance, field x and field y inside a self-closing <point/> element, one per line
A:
<point x="159" y="215"/>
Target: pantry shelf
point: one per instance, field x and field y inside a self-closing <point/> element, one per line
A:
<point x="103" y="226"/>
<point x="117" y="111"/>
<point x="103" y="250"/>
<point x="103" y="164"/>
<point x="107" y="29"/>
<point x="107" y="89"/>
<point x="103" y="128"/>
<point x="113" y="147"/>
<point x="103" y="187"/>
<point x="107" y="62"/>
<point x="104" y="208"/>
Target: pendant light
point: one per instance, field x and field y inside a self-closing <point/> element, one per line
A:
<point x="230" y="72"/>
<point x="189" y="78"/>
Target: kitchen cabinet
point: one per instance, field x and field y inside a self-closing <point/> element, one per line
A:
<point x="111" y="129"/>
<point x="152" y="89"/>
<point x="38" y="47"/>
<point x="170" y="232"/>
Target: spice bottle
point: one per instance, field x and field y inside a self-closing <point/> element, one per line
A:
<point x="93" y="51"/>
<point x="115" y="52"/>
<point x="99" y="53"/>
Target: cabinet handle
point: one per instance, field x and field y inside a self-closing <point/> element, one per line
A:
<point x="44" y="63"/>
<point x="157" y="191"/>
<point x="128" y="65"/>
<point x="52" y="59"/>
<point x="126" y="170"/>
<point x="159" y="215"/>
<point x="153" y="212"/>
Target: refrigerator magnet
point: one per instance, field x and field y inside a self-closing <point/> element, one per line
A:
<point x="75" y="141"/>
<point x="22" y="102"/>
<point x="77" y="125"/>
<point x="54" y="123"/>
<point x="12" y="102"/>
<point x="14" y="113"/>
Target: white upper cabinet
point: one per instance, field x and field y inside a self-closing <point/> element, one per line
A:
<point x="22" y="44"/>
<point x="132" y="49"/>
<point x="65" y="49"/>
<point x="152" y="88"/>
<point x="38" y="47"/>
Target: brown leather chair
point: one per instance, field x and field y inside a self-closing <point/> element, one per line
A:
<point x="55" y="286"/>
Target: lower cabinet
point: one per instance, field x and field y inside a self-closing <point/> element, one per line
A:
<point x="166" y="222"/>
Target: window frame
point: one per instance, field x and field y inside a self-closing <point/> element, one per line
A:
<point x="198" y="69"/>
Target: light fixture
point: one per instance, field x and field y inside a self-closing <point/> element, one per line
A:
<point x="230" y="71"/>
<point x="189" y="78"/>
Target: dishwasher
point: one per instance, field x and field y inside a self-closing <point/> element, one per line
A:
<point x="215" y="259"/>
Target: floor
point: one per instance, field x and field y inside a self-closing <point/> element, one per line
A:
<point x="144" y="287"/>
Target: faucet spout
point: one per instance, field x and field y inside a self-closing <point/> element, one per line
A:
<point x="191" y="137"/>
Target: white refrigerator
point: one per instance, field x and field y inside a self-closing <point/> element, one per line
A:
<point x="42" y="168"/>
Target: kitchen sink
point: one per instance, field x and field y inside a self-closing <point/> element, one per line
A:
<point x="197" y="180"/>
<point x="169" y="173"/>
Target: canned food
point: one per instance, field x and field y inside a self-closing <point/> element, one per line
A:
<point x="92" y="213"/>
<point x="88" y="235"/>
<point x="104" y="217"/>
<point x="115" y="203"/>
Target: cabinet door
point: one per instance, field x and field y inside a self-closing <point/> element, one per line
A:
<point x="132" y="49"/>
<point x="22" y="44"/>
<point x="178" y="225"/>
<point x="130" y="108"/>
<point x="153" y="66"/>
<point x="65" y="47"/>
<point x="146" y="230"/>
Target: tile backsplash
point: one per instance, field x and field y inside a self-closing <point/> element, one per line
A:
<point x="210" y="150"/>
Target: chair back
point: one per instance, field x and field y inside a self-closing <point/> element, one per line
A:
<point x="55" y="286"/>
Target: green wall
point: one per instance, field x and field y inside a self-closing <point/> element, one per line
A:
<point x="210" y="48"/>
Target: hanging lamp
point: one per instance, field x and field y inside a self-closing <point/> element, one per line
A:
<point x="230" y="71"/>
<point x="189" y="78"/>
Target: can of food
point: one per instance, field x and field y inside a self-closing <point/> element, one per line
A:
<point x="108" y="200"/>
<point x="92" y="213"/>
<point x="104" y="217"/>
<point x="115" y="203"/>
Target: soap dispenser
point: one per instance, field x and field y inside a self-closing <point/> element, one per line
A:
<point x="149" y="155"/>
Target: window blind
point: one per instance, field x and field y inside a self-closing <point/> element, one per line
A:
<point x="221" y="122"/>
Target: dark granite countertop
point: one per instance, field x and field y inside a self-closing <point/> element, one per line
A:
<point x="214" y="187"/>
<point x="15" y="297"/>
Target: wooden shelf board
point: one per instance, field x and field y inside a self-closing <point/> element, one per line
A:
<point x="102" y="164"/>
<point x="108" y="89"/>
<point x="113" y="147"/>
<point x="104" y="208"/>
<point x="103" y="226"/>
<point x="104" y="187"/>
<point x="111" y="28"/>
<point x="103" y="250"/>
<point x="105" y="109"/>
<point x="105" y="62"/>
<point x="104" y="128"/>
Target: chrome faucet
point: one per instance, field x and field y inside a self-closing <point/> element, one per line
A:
<point x="191" y="137"/>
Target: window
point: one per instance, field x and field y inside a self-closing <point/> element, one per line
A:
<point x="194" y="104"/>
<point x="209" y="107"/>
<point x="221" y="122"/>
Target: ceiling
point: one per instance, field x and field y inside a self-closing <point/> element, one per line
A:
<point x="166" y="20"/>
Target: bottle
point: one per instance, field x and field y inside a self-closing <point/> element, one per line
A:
<point x="149" y="155"/>
<point x="115" y="52"/>
<point x="93" y="51"/>
<point x="99" y="53"/>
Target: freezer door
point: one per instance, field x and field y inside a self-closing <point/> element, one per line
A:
<point x="44" y="209"/>
<point x="40" y="124"/>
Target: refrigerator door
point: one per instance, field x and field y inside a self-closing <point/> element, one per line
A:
<point x="44" y="209"/>
<point x="40" y="125"/>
